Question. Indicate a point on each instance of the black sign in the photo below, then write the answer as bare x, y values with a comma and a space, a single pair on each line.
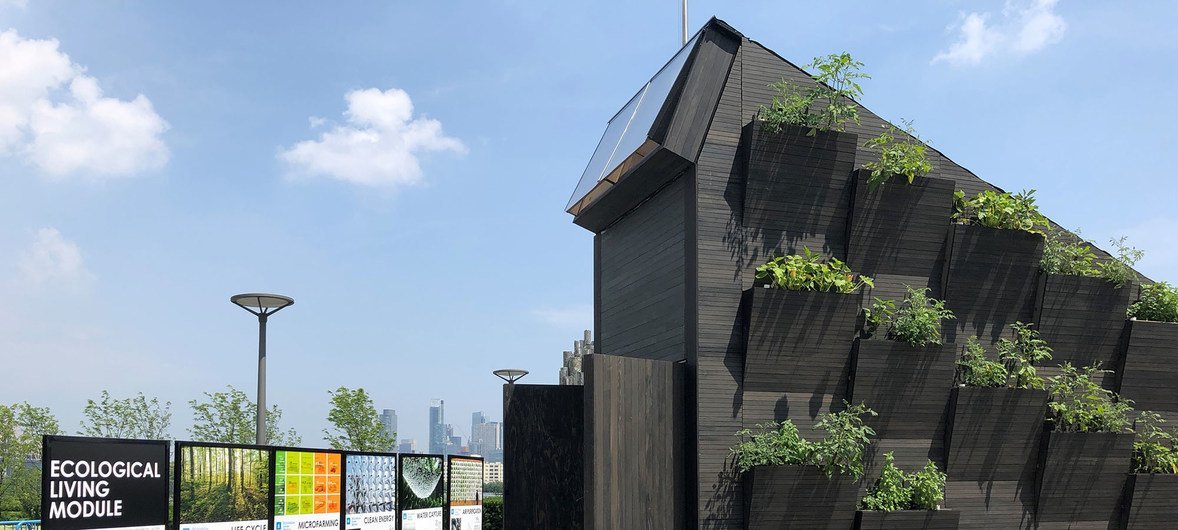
95, 483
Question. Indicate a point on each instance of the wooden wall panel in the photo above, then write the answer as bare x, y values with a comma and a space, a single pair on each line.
1083, 320
642, 267
543, 451
635, 465
1150, 373
991, 281
1083, 477
1153, 503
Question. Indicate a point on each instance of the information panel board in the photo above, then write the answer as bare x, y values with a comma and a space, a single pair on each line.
103, 483
421, 491
306, 489
370, 491
465, 483
222, 486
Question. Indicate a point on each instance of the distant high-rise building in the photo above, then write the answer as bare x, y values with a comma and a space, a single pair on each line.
407, 445
388, 419
492, 472
437, 426
476, 419
570, 373
487, 440
455, 445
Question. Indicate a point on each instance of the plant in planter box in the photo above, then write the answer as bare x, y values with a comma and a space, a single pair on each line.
839, 451
900, 153
772, 444
1159, 302
1080, 404
810, 271
837, 87
1155, 450
974, 369
1119, 270
897, 490
916, 322
1021, 354
1062, 255
1000, 210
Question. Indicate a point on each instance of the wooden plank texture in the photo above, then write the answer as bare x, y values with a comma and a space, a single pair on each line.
1150, 373
1083, 477
1154, 502
899, 228
991, 281
908, 520
798, 497
543, 446
1083, 320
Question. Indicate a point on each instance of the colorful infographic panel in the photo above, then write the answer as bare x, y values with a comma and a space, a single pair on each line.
421, 490
466, 493
222, 487
306, 490
95, 483
370, 492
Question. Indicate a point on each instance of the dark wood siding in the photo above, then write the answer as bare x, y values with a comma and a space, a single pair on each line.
635, 468
543, 447
642, 264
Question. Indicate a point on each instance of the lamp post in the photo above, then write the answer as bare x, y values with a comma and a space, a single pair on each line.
511, 375
262, 305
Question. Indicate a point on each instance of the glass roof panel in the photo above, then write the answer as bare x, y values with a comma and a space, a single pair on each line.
630, 127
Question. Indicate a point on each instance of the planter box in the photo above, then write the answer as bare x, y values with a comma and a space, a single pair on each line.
1083, 320
994, 433
1153, 503
797, 497
991, 279
1084, 476
800, 341
798, 187
900, 228
1149, 373
907, 520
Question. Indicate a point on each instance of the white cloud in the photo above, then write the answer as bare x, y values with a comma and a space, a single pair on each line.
378, 146
56, 118
20, 4
1026, 26
571, 316
53, 259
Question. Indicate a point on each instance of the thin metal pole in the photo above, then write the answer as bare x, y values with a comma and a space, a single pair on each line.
261, 427
684, 21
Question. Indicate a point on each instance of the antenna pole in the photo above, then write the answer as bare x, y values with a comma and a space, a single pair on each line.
684, 21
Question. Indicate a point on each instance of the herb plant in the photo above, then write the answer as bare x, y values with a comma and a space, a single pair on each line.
1119, 270
772, 444
880, 314
1078, 402
900, 153
918, 322
1064, 256
827, 106
1000, 210
1159, 302
976, 370
810, 271
1021, 354
1155, 449
897, 490
840, 451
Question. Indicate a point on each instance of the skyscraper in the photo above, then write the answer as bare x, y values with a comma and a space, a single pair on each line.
388, 418
407, 445
437, 426
476, 419
487, 440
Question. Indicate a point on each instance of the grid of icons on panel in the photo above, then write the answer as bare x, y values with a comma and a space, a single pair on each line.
306, 483
372, 483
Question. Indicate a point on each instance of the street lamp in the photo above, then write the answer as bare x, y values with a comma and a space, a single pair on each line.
511, 375
263, 305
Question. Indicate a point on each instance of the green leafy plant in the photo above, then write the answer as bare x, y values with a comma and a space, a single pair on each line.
1159, 302
918, 321
891, 491
827, 106
976, 370
897, 490
880, 314
1155, 449
810, 271
1000, 210
772, 444
1119, 270
1063, 255
847, 436
928, 487
1021, 354
900, 153
1078, 402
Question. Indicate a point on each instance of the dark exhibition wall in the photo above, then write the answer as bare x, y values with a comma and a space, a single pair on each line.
690, 352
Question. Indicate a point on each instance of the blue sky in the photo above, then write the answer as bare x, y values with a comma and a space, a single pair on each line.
160, 157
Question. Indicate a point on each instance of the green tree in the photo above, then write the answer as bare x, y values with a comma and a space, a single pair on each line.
21, 428
134, 417
355, 424
230, 417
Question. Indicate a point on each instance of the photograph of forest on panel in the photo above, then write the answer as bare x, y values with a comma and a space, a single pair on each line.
466, 493
222, 484
421, 488
306, 489
370, 492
